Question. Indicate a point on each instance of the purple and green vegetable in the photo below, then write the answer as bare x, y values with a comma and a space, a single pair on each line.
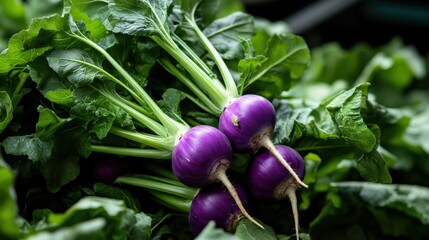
151, 102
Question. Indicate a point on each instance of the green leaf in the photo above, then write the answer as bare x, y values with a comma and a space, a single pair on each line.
30, 43
287, 58
210, 232
170, 102
76, 65
55, 148
346, 111
36, 149
417, 133
372, 167
139, 17
96, 218
61, 96
249, 230
408, 199
226, 34
87, 11
8, 205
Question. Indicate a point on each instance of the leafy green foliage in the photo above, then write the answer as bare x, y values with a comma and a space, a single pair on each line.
358, 116
95, 218
285, 56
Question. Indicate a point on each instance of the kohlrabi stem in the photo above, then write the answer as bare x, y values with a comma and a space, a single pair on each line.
266, 142
183, 192
230, 85
185, 80
173, 127
132, 152
290, 192
213, 88
221, 176
155, 141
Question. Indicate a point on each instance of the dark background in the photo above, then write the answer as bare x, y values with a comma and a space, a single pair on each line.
350, 21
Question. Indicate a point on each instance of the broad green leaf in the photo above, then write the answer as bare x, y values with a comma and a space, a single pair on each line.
30, 43
89, 229
76, 65
210, 232
87, 11
410, 200
61, 96
46, 78
417, 133
287, 58
170, 102
36, 149
8, 205
372, 167
248, 230
55, 148
346, 111
226, 34
139, 17
96, 218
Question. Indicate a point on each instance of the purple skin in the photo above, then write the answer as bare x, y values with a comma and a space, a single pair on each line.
244, 118
202, 156
265, 172
268, 179
199, 153
215, 203
248, 123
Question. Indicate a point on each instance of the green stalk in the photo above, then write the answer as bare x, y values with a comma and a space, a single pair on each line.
183, 192
109, 76
230, 85
213, 88
132, 152
155, 141
145, 120
173, 127
193, 56
23, 76
175, 203
181, 77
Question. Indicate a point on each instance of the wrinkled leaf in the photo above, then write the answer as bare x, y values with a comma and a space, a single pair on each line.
287, 57
139, 17
409, 199
372, 167
226, 34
